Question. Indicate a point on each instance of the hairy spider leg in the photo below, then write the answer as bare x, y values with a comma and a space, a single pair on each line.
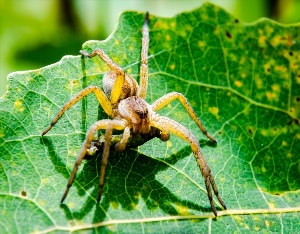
117, 89
101, 124
142, 92
102, 99
176, 128
120, 146
105, 154
166, 99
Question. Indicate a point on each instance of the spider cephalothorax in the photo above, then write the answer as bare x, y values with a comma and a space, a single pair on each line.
124, 101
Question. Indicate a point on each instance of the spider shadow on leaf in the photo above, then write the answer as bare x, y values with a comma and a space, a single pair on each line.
58, 163
131, 176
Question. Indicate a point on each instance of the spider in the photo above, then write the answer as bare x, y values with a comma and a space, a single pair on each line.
123, 100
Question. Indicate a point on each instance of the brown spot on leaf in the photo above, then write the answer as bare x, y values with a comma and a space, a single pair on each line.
228, 35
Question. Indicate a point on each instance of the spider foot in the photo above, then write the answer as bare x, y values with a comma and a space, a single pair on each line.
99, 193
65, 194
210, 182
84, 53
213, 208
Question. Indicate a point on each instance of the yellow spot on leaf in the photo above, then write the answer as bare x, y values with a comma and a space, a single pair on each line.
133, 205
240, 138
189, 28
269, 29
238, 83
238, 219
243, 60
214, 111
42, 202
259, 83
217, 31
45, 181
72, 153
182, 33
293, 112
271, 95
73, 84
116, 59
267, 68
114, 205
243, 75
272, 205
160, 24
128, 70
263, 169
18, 105
167, 177
275, 41
71, 205
262, 41
267, 223
281, 68
131, 48
117, 42
182, 210
232, 56
169, 143
201, 44
168, 38
284, 143
275, 87
264, 132
172, 66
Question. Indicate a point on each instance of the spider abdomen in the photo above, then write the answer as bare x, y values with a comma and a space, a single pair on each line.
129, 88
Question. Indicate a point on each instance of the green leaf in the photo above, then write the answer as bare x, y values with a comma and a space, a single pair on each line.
243, 80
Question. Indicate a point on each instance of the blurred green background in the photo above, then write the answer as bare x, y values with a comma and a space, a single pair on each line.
36, 33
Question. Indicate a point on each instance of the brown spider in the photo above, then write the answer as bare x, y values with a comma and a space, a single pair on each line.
124, 101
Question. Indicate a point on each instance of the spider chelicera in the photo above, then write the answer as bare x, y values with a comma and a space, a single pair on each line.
123, 100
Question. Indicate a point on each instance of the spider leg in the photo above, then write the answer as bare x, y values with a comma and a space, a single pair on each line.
144, 60
122, 144
108, 135
166, 99
102, 99
117, 89
176, 128
101, 124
